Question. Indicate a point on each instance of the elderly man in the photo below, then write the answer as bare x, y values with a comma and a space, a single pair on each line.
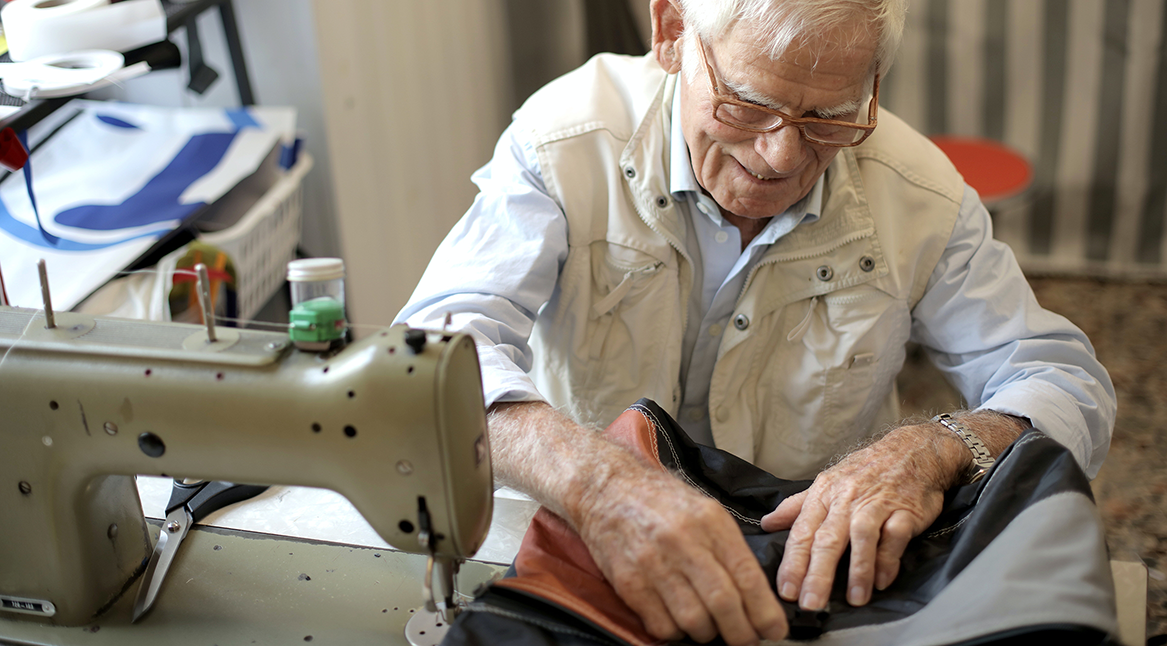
731, 227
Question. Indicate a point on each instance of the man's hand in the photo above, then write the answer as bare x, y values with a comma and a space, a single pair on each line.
673, 555
876, 499
679, 560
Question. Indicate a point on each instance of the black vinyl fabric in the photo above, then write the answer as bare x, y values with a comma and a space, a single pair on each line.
1032, 469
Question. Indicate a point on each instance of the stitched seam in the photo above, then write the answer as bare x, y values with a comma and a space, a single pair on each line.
907, 174
684, 476
542, 623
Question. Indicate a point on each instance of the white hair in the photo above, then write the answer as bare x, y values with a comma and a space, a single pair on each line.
779, 23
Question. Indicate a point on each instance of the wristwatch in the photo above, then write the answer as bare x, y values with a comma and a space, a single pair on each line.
982, 459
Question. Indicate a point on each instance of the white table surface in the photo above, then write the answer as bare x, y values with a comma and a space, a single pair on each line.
324, 515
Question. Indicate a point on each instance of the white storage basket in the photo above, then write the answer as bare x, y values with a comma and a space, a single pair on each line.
262, 242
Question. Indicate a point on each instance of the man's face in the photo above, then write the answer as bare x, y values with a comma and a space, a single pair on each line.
754, 175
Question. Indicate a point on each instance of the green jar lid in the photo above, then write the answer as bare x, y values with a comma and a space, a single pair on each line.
317, 321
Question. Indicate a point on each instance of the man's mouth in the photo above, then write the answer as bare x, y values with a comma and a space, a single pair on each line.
757, 175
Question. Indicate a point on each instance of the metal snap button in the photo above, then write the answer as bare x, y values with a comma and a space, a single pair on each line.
741, 321
867, 263
824, 273
662, 201
629, 172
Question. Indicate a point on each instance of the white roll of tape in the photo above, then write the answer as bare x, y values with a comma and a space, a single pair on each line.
60, 74
37, 28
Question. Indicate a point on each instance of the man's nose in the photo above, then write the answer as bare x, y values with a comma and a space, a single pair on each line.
783, 149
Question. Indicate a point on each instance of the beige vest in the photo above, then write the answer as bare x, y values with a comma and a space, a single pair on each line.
807, 366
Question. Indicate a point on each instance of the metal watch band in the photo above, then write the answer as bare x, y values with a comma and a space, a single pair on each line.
982, 459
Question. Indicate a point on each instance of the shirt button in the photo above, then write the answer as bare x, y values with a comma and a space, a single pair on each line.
697, 414
721, 236
715, 330
702, 208
722, 414
741, 321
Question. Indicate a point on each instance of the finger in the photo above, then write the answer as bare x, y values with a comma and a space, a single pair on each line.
784, 515
796, 557
761, 606
897, 532
712, 574
686, 607
866, 527
829, 543
648, 605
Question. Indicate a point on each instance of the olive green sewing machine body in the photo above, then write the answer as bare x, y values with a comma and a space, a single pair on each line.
395, 426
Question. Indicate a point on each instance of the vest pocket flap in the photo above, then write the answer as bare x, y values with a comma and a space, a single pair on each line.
618, 273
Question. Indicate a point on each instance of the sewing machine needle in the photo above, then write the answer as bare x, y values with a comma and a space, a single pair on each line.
50, 320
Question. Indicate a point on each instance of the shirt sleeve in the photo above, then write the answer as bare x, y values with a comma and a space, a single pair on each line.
496, 268
982, 326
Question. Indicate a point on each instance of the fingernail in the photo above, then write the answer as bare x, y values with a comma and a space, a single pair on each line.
858, 596
811, 601
788, 592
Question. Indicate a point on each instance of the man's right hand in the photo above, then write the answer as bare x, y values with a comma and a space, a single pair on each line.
679, 560
672, 554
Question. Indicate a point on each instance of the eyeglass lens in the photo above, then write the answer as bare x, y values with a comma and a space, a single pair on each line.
751, 119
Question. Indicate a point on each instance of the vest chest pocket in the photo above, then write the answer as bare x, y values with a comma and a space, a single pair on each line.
631, 307
844, 361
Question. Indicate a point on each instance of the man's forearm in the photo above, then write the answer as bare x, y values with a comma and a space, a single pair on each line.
540, 451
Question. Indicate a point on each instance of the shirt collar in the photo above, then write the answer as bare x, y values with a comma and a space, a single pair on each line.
682, 180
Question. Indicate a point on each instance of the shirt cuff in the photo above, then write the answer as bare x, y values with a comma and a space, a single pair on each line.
502, 380
1053, 413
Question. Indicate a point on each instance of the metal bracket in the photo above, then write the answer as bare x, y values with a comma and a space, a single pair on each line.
446, 567
202, 76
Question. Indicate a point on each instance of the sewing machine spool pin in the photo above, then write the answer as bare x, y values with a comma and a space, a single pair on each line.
50, 320
204, 292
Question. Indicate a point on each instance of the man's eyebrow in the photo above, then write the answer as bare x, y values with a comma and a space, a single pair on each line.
747, 93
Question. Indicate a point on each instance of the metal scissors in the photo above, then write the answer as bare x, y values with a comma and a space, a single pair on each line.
189, 503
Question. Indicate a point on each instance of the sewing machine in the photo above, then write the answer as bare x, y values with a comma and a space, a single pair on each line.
395, 423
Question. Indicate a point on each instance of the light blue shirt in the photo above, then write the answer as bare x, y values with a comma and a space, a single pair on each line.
500, 263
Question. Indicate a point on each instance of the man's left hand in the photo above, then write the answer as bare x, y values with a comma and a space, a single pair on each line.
877, 499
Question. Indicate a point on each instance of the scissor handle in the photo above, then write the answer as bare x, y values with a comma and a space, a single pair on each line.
201, 498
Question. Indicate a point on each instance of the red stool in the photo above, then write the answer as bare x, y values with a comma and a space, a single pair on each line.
997, 172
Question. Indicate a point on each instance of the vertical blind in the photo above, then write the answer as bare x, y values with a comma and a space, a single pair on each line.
1078, 87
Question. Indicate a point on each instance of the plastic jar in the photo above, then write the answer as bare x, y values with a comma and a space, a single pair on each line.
316, 277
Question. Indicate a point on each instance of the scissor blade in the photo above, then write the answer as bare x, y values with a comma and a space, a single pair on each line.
168, 541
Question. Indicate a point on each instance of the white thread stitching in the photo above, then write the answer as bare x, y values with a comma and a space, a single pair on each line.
652, 421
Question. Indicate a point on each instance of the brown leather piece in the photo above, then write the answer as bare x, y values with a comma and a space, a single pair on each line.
554, 564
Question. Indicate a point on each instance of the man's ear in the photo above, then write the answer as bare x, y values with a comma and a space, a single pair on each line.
667, 26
